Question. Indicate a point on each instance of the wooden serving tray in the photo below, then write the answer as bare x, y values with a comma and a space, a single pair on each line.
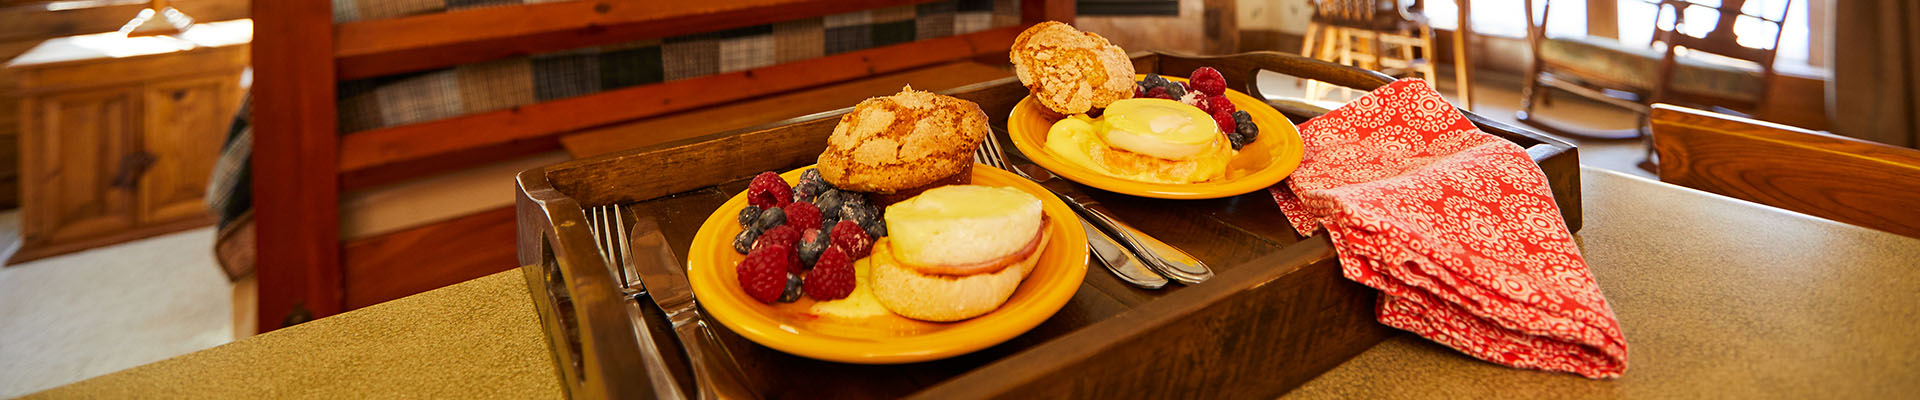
1277, 313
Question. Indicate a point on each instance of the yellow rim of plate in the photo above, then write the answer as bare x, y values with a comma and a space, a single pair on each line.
1058, 275
1028, 126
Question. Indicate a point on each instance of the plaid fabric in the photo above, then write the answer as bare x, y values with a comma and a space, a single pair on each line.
380, 102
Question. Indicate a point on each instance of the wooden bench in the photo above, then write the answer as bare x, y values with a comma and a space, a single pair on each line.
1840, 178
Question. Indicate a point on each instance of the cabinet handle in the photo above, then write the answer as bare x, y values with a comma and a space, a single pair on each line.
132, 167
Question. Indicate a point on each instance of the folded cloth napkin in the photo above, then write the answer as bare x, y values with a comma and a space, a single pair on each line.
1457, 229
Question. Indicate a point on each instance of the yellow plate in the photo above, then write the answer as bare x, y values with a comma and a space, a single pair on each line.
886, 339
1270, 158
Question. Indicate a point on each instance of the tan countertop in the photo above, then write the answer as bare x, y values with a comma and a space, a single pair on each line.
479, 339
1717, 297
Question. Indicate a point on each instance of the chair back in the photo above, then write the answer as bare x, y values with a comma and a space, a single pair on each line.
1364, 14
1844, 179
1721, 40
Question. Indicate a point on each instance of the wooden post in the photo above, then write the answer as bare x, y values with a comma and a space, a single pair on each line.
1037, 11
295, 188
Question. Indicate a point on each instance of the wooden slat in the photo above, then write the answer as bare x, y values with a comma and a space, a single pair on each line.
768, 109
1839, 178
295, 189
402, 263
395, 45
416, 141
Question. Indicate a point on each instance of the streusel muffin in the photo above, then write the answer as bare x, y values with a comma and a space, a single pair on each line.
899, 145
1069, 71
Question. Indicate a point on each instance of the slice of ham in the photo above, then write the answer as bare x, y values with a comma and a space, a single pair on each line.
989, 266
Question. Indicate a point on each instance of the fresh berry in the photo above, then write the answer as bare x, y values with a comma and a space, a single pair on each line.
1223, 119
812, 242
829, 203
1154, 81
763, 274
1209, 81
1214, 104
768, 219
785, 237
767, 191
859, 214
1237, 140
803, 215
1176, 90
1158, 93
792, 293
811, 175
747, 215
810, 185
1244, 122
781, 235
851, 238
832, 278
744, 241
1139, 92
876, 229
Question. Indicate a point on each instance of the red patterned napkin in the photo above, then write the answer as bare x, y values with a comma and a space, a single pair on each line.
1456, 228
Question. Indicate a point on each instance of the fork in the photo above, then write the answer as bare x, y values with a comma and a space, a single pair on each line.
1118, 260
1158, 256
609, 228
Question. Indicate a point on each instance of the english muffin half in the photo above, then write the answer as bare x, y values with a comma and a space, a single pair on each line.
1069, 71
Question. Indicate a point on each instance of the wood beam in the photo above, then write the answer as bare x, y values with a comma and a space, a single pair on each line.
296, 195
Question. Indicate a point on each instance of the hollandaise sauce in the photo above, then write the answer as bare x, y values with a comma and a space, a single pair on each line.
1147, 140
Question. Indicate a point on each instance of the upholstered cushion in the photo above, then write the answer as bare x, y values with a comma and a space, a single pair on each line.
1639, 67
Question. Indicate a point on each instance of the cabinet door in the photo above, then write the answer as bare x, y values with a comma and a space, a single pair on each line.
72, 149
186, 122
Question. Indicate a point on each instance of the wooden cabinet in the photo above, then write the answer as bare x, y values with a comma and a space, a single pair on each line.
117, 144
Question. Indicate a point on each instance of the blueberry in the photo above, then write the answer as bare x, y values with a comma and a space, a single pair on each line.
1244, 123
1237, 140
792, 293
811, 175
829, 203
1156, 80
810, 249
747, 215
858, 214
770, 218
876, 229
744, 241
1176, 90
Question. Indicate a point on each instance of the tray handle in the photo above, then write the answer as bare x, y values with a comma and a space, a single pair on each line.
586, 317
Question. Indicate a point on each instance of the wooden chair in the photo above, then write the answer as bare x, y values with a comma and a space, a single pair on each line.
1727, 75
1840, 178
303, 164
1387, 37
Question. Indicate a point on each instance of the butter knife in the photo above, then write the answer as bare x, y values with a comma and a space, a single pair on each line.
714, 372
1161, 257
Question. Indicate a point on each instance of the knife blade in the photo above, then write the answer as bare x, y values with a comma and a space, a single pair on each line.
1170, 261
714, 372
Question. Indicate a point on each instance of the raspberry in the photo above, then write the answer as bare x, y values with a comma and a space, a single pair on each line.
851, 238
1224, 120
1159, 92
1214, 104
803, 216
767, 191
831, 278
763, 274
1208, 80
784, 236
